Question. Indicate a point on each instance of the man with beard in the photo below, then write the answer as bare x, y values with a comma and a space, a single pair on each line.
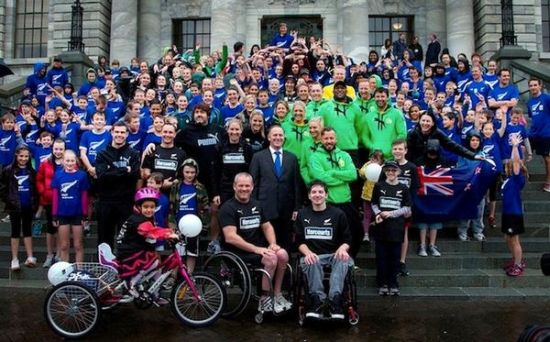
335, 168
382, 127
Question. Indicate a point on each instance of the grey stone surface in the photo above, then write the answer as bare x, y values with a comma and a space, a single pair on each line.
460, 26
351, 17
149, 47
124, 21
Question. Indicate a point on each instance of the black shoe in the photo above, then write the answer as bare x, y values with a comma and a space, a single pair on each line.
403, 271
336, 307
315, 309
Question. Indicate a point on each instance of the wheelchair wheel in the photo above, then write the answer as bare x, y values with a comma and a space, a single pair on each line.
72, 310
198, 312
235, 278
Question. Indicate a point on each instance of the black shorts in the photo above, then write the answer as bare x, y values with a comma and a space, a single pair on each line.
494, 188
192, 246
92, 190
541, 145
512, 224
70, 220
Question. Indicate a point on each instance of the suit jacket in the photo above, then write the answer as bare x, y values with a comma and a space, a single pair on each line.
279, 197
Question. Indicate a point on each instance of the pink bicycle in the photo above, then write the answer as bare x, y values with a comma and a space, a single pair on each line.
83, 290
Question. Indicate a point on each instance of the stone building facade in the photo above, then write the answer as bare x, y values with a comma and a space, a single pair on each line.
123, 29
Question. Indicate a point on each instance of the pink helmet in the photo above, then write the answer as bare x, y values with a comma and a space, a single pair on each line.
146, 194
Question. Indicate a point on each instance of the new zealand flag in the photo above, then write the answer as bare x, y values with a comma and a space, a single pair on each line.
446, 194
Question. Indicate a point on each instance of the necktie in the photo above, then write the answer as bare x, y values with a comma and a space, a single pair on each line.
277, 166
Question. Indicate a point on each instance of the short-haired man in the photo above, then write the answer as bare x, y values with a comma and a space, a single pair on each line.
249, 234
538, 108
323, 238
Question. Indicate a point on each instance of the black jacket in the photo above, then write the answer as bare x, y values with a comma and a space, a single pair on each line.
416, 144
432, 54
232, 159
200, 143
9, 188
114, 181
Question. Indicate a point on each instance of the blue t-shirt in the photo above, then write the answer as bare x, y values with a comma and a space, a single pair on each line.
29, 132
8, 143
512, 130
70, 186
466, 127
71, 135
40, 154
454, 136
462, 79
23, 187
538, 109
161, 211
491, 79
151, 138
116, 109
188, 203
507, 93
94, 143
491, 149
229, 113
268, 114
410, 124
282, 41
474, 88
511, 194
82, 114
135, 140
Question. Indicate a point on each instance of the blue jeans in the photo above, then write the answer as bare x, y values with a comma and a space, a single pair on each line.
477, 223
314, 274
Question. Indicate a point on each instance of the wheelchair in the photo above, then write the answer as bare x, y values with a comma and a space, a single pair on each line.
302, 298
237, 277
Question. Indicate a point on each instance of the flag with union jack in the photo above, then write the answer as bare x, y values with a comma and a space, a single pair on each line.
446, 194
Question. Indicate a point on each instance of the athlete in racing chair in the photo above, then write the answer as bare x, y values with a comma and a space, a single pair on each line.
323, 238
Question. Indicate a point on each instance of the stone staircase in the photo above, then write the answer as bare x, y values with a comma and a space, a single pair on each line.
466, 269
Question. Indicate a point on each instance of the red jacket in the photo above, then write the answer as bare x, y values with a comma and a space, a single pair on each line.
44, 178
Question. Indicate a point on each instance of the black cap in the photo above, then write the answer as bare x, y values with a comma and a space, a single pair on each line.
304, 71
339, 83
57, 59
290, 78
107, 70
26, 102
390, 164
432, 146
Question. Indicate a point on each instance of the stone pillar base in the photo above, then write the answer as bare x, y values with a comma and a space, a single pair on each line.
80, 63
508, 53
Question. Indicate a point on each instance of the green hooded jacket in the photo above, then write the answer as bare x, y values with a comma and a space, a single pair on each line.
336, 169
380, 129
345, 119
296, 136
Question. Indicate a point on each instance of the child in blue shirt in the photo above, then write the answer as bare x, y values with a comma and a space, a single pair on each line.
42, 149
515, 127
94, 141
512, 208
9, 139
189, 197
70, 205
69, 130
155, 181
154, 137
449, 128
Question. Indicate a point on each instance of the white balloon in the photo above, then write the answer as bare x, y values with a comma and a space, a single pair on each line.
59, 272
372, 172
190, 225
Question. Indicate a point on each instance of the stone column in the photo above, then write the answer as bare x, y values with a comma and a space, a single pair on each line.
149, 47
228, 23
353, 24
435, 23
460, 26
124, 29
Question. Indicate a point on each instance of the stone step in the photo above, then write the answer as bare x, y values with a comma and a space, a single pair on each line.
461, 278
449, 262
460, 293
530, 206
535, 195
529, 245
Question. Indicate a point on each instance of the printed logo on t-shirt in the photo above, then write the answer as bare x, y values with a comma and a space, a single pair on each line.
3, 143
249, 222
166, 164
21, 182
318, 233
535, 108
211, 140
186, 198
233, 158
390, 203
94, 145
123, 162
65, 187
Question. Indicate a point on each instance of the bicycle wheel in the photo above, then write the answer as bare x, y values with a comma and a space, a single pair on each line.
235, 278
72, 310
203, 311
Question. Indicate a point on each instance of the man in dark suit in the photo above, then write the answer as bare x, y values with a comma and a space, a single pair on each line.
277, 185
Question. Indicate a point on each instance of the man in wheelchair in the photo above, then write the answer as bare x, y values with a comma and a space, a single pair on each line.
248, 234
323, 238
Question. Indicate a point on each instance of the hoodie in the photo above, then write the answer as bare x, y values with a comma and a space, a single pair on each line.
57, 77
37, 84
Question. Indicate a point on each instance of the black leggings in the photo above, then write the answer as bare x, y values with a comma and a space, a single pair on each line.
21, 219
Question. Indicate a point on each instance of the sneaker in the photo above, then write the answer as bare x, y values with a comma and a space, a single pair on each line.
394, 291
315, 310
492, 221
383, 291
479, 237
463, 237
515, 271
403, 271
265, 304
49, 261
510, 263
6, 219
213, 247
434, 251
87, 229
336, 307
422, 251
281, 304
546, 188
161, 301
366, 237
30, 262
15, 265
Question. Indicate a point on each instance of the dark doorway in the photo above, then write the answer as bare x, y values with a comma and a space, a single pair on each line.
306, 25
